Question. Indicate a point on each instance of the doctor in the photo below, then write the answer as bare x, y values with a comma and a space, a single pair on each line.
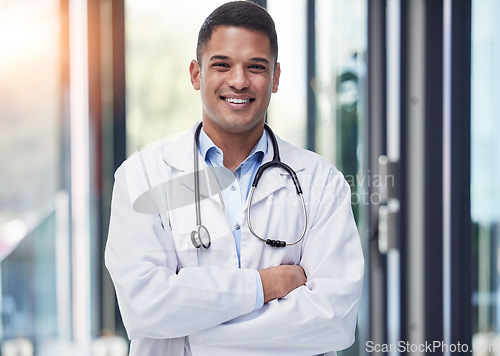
239, 296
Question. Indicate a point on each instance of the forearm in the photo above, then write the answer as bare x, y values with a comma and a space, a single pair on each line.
278, 281
161, 304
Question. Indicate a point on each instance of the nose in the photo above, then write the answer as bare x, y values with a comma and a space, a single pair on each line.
238, 78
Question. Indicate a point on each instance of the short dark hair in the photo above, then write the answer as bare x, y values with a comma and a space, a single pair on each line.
244, 14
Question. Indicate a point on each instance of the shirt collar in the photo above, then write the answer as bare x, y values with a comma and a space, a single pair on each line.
213, 154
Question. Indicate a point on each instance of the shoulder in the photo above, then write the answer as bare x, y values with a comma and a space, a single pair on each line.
315, 172
171, 151
138, 161
155, 163
148, 169
302, 158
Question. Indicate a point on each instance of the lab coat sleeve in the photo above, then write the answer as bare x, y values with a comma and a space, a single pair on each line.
316, 318
155, 301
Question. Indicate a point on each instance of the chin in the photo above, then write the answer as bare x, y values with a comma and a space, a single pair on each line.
242, 127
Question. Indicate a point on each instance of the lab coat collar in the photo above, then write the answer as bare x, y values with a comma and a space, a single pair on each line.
179, 155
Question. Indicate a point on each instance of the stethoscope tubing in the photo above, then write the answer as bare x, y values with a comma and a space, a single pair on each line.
276, 242
276, 162
197, 178
196, 235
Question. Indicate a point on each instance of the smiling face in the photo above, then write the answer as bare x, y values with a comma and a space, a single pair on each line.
236, 78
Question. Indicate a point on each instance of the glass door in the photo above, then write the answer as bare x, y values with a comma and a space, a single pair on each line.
35, 257
341, 119
485, 170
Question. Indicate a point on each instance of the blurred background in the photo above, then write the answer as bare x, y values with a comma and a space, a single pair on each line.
401, 95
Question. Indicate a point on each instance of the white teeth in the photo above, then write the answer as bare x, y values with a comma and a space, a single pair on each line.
237, 101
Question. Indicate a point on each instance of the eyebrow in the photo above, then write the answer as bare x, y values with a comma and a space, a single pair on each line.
259, 59
255, 59
218, 57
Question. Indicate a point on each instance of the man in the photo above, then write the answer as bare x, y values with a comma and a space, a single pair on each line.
237, 296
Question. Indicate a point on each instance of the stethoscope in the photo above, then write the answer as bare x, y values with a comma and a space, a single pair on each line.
201, 236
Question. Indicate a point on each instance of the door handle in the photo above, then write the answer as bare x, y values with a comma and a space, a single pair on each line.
389, 208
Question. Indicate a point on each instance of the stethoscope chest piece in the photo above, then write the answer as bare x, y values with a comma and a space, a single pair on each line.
200, 237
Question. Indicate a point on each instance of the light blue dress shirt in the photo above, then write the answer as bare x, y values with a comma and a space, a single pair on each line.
236, 194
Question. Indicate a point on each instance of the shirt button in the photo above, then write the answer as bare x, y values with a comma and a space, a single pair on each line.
237, 226
233, 188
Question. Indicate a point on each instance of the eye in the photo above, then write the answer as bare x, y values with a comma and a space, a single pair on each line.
220, 66
257, 68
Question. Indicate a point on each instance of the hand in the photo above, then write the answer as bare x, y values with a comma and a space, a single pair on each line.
278, 281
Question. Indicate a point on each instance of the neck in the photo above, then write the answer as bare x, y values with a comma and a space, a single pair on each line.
235, 146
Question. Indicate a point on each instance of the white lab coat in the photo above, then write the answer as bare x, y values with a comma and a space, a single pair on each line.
179, 300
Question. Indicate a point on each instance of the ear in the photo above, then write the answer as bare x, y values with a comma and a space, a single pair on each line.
195, 73
276, 77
